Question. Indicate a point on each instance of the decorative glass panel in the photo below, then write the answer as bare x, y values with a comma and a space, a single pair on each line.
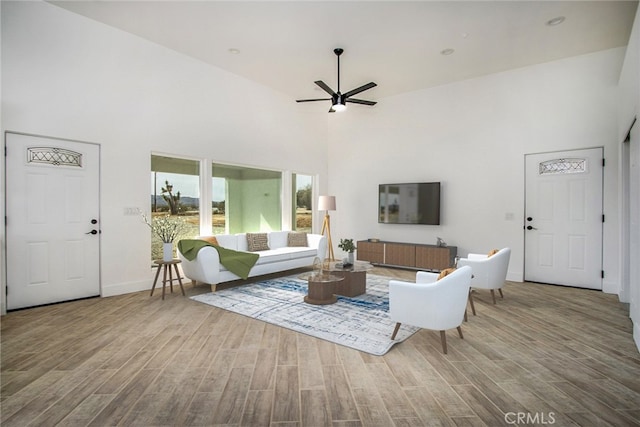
54, 156
563, 166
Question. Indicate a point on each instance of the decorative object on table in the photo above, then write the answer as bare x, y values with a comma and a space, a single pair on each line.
326, 204
167, 228
349, 247
441, 243
362, 322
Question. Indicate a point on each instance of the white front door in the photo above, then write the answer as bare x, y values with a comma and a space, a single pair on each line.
563, 218
52, 224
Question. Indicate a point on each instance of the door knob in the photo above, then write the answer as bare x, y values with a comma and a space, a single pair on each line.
92, 232
531, 228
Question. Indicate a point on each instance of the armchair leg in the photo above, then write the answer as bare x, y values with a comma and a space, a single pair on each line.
443, 339
466, 319
460, 332
501, 296
395, 330
493, 296
473, 307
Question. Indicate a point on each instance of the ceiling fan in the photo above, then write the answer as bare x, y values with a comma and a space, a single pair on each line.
339, 100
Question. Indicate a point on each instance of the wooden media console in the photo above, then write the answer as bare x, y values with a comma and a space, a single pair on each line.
409, 255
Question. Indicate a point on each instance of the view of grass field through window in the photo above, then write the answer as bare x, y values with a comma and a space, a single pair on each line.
175, 192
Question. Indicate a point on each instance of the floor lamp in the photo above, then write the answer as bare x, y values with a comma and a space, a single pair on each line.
327, 203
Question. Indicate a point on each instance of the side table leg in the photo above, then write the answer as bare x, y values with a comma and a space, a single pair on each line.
170, 278
179, 278
155, 280
164, 279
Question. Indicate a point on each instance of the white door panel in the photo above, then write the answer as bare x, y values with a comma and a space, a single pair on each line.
563, 225
52, 198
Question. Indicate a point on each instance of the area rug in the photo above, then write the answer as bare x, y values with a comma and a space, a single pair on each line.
360, 322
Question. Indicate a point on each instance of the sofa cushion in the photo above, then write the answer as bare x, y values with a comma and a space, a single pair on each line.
228, 241
295, 238
303, 252
278, 239
257, 242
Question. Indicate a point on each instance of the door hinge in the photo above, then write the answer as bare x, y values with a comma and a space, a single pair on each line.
602, 162
602, 217
602, 274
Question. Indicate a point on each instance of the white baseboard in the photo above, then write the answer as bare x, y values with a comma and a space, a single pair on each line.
126, 288
636, 335
515, 276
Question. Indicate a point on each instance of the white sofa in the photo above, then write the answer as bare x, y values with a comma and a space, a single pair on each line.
206, 267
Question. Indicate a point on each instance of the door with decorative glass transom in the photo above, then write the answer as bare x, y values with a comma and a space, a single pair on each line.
52, 224
563, 218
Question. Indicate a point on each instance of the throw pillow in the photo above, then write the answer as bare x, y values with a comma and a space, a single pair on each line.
257, 242
297, 239
210, 239
445, 272
493, 252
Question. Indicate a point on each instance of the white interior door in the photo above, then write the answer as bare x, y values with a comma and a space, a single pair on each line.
52, 209
563, 218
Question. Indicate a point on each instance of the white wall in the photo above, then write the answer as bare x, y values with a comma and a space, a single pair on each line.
473, 136
67, 76
629, 109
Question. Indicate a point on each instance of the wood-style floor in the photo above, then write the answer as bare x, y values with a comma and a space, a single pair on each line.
544, 355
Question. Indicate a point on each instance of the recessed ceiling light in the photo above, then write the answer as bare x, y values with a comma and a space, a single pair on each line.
234, 51
448, 51
555, 21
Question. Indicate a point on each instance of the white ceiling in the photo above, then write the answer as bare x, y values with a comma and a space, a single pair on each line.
397, 44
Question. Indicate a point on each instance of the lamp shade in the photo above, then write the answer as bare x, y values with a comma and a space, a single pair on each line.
327, 203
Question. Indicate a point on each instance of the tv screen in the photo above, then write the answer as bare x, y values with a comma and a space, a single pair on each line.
411, 203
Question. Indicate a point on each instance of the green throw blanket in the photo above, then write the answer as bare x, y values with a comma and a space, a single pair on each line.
237, 262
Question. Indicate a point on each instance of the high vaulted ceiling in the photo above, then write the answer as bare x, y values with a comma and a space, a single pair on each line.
397, 44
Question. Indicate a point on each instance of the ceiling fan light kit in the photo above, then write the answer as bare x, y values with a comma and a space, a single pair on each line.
339, 100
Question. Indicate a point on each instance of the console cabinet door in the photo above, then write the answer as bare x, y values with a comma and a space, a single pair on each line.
371, 251
432, 258
398, 254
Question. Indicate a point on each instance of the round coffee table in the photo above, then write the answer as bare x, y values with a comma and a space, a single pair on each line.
355, 277
321, 288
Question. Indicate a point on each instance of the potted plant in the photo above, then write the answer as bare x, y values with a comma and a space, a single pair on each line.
166, 228
348, 246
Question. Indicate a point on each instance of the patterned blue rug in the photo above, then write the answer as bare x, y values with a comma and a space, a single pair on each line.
360, 322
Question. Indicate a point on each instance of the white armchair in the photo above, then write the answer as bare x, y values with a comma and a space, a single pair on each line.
489, 272
430, 304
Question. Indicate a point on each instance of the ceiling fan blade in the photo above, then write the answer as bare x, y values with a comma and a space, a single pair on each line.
324, 87
360, 101
360, 89
312, 100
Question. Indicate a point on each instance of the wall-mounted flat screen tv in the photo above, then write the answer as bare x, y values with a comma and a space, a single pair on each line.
411, 203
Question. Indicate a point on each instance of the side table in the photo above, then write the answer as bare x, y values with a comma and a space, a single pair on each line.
166, 265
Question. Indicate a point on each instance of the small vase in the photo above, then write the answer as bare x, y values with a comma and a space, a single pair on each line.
351, 258
167, 251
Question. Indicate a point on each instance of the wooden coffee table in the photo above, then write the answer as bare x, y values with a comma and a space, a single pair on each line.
355, 278
321, 288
